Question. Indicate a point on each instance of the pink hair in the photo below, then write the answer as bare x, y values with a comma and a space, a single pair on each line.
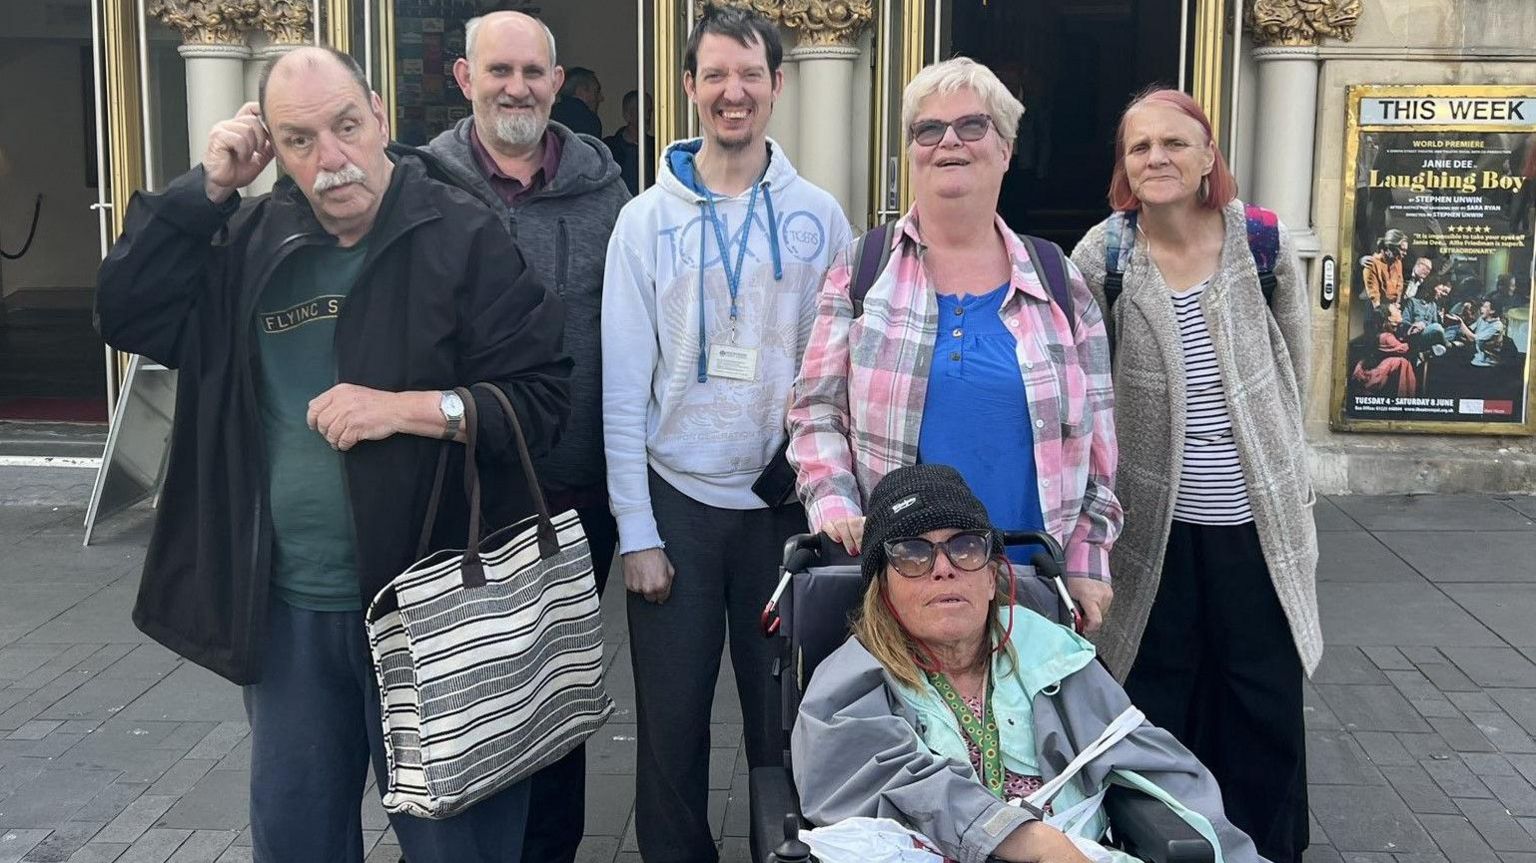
1221, 186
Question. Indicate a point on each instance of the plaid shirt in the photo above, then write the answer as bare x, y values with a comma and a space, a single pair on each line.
858, 404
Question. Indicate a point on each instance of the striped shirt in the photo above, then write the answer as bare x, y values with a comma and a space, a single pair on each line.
858, 404
1211, 488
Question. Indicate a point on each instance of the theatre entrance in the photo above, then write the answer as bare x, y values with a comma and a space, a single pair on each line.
1074, 65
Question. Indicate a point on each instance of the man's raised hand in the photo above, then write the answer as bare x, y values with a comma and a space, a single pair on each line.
238, 150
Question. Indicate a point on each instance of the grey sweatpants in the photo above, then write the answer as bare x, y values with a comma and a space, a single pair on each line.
726, 563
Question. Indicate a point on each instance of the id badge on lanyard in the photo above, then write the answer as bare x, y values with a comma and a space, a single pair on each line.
728, 360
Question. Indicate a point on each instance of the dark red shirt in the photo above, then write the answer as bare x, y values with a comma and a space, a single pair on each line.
510, 189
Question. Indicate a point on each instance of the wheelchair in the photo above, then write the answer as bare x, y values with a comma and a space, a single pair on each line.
809, 615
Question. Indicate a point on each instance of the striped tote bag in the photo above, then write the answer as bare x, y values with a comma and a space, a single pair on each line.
489, 660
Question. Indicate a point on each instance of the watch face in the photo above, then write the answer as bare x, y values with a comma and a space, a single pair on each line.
453, 406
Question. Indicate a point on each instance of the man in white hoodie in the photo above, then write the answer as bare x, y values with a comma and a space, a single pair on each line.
708, 299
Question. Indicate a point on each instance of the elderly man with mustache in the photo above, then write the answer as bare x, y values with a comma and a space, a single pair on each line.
319, 332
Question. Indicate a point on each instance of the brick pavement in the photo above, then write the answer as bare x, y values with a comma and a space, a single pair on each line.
1420, 720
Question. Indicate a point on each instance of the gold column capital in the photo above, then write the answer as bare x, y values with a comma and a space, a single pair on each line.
827, 22
286, 22
819, 23
1297, 23
205, 22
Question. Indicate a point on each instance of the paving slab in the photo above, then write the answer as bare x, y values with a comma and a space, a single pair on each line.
1329, 518
1372, 708
63, 842
1442, 511
1360, 558
1368, 819
1507, 609
1366, 614
1445, 556
1458, 839
53, 796
14, 844
190, 692
1524, 504
218, 801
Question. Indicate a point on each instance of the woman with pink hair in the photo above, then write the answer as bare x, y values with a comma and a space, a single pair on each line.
1215, 622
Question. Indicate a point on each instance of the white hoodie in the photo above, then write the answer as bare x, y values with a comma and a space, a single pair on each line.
709, 440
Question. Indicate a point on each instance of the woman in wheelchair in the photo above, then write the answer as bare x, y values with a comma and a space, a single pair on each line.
950, 707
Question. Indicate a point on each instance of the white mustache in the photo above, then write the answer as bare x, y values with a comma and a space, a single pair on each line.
507, 102
328, 180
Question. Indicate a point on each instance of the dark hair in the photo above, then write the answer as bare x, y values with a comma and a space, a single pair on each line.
346, 60
630, 98
1504, 280
578, 76
745, 27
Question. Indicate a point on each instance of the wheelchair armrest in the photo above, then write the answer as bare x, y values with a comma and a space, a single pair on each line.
772, 795
1148, 829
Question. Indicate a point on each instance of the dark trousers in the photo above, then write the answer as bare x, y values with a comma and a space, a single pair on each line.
726, 564
1218, 669
557, 812
314, 728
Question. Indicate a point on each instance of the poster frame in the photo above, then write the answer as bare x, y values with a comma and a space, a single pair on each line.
1339, 374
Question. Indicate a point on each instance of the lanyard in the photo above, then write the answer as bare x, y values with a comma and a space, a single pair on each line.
732, 276
980, 730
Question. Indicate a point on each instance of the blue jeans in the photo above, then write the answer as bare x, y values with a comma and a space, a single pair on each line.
314, 728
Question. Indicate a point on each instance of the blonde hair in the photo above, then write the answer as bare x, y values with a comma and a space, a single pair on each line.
885, 639
950, 76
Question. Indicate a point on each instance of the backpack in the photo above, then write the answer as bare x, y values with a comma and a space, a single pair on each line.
1263, 243
872, 252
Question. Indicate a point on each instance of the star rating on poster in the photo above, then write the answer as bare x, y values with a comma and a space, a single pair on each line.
1470, 229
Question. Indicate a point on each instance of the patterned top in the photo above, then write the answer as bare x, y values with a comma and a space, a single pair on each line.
1211, 485
858, 403
1014, 784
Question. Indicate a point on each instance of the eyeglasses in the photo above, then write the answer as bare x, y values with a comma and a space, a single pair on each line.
914, 557
971, 127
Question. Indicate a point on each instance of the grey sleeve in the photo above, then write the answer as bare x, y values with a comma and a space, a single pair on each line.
855, 756
1293, 312
1094, 699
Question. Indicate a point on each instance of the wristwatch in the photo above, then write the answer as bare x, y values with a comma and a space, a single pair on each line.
453, 413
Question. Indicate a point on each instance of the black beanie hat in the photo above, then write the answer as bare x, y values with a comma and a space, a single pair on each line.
911, 501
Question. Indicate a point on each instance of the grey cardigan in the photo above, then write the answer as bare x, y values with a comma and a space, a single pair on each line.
1262, 354
857, 750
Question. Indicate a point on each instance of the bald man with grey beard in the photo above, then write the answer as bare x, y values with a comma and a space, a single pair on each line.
558, 193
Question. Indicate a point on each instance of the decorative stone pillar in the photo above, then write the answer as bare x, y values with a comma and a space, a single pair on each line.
214, 50
1286, 33
283, 25
784, 126
828, 32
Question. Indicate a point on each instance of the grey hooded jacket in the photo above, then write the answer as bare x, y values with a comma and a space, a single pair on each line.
562, 231
858, 751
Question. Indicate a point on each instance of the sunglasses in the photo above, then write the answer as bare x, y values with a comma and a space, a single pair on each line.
971, 127
914, 557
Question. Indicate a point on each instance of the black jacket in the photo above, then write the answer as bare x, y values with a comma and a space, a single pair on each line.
562, 230
444, 300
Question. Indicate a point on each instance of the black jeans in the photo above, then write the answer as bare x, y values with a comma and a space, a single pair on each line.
1218, 669
314, 728
726, 563
557, 811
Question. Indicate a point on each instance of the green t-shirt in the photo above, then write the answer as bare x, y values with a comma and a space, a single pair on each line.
314, 563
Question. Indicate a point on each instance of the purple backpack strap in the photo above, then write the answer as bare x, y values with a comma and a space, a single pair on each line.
1264, 245
870, 255
1051, 263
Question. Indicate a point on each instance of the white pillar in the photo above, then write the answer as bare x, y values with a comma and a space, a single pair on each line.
1283, 147
826, 118
784, 125
258, 61
215, 89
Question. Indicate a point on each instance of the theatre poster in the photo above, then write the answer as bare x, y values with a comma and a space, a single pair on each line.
1434, 313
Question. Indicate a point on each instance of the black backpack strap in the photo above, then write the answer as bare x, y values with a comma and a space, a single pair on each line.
1051, 263
870, 255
